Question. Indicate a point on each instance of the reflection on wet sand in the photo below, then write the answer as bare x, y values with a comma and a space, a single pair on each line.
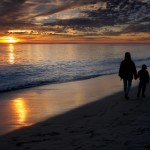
33, 105
20, 109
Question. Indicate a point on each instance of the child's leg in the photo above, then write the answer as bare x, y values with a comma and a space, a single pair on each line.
139, 89
143, 89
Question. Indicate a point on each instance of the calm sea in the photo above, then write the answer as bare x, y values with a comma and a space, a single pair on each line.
29, 65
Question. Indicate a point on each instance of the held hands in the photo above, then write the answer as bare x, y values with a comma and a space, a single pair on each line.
136, 77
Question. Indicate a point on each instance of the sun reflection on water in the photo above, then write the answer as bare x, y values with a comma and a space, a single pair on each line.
11, 58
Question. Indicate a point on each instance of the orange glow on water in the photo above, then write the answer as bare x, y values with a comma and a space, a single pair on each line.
11, 58
21, 111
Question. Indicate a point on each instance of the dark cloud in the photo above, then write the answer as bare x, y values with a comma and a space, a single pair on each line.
112, 33
27, 10
68, 5
10, 10
137, 28
116, 13
126, 11
78, 22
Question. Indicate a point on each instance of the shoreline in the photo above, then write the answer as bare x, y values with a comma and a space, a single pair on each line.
53, 83
28, 106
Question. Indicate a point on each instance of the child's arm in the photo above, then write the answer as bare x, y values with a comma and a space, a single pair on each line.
137, 76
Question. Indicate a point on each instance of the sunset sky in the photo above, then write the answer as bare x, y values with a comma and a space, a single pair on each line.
75, 21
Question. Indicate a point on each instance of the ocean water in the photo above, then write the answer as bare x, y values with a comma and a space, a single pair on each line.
29, 65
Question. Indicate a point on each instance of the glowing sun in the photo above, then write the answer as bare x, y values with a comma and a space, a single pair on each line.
11, 40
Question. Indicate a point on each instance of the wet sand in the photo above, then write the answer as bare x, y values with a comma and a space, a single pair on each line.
26, 107
99, 118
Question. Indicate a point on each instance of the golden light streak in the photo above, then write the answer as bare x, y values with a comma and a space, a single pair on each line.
11, 59
20, 31
21, 110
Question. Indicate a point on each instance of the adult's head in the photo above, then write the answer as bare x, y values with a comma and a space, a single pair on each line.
127, 56
144, 67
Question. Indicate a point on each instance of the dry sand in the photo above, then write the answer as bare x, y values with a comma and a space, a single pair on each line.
111, 123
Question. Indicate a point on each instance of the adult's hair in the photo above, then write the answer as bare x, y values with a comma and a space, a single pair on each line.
144, 67
127, 56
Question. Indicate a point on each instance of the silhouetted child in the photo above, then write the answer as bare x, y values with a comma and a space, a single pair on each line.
143, 76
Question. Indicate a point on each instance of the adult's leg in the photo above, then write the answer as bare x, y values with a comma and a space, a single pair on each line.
125, 86
129, 84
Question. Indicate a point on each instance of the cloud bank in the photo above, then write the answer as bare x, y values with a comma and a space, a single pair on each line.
75, 17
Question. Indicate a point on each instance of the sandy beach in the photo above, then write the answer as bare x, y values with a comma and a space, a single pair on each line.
106, 122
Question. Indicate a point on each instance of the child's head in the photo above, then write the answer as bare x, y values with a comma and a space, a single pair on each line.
144, 67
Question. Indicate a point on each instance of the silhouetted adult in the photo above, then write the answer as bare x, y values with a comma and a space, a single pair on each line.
126, 72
